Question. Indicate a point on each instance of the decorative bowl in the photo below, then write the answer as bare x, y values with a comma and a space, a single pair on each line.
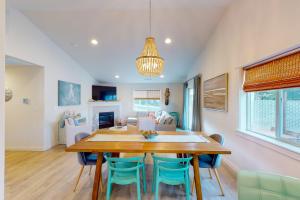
149, 134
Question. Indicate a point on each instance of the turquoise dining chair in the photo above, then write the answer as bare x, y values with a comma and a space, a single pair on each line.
171, 171
125, 171
254, 185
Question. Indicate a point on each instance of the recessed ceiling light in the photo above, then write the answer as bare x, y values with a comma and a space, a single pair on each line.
168, 41
94, 42
117, 76
162, 76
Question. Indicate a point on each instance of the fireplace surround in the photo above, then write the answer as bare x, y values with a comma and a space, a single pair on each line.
100, 107
106, 119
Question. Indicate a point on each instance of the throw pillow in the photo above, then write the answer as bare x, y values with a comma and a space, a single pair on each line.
169, 120
162, 119
71, 122
158, 114
76, 122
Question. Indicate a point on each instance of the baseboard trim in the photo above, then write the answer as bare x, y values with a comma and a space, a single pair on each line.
230, 167
24, 149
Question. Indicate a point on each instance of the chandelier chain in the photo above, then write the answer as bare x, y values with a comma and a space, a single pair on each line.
150, 13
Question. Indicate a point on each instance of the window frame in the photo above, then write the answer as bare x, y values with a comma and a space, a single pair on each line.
280, 121
147, 90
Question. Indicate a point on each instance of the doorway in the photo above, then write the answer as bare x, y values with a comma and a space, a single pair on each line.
24, 105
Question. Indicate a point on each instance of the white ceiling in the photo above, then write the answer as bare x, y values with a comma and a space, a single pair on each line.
121, 27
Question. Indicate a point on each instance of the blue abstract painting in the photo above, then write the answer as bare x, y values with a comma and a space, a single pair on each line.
68, 93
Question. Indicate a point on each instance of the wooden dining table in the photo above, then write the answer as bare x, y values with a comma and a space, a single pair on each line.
193, 148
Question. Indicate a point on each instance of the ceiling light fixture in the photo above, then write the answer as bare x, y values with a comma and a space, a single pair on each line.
149, 63
94, 42
117, 76
168, 41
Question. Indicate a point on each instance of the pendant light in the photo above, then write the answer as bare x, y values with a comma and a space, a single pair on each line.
149, 63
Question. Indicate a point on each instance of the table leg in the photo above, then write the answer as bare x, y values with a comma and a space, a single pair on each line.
97, 177
197, 177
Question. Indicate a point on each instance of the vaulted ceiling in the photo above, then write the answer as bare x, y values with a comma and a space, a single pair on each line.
121, 26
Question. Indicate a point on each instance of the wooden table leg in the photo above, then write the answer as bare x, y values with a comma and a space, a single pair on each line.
97, 177
197, 177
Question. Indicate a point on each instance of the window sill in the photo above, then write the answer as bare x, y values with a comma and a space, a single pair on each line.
270, 143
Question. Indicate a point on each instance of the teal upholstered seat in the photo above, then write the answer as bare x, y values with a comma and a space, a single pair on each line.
124, 171
171, 171
265, 186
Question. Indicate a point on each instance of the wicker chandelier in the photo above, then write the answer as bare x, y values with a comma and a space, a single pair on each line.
149, 63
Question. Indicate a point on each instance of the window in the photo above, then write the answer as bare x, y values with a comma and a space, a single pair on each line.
275, 114
291, 114
190, 107
146, 100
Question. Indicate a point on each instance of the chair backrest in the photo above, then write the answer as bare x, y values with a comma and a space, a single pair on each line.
124, 164
217, 158
171, 164
81, 136
81, 155
265, 186
146, 124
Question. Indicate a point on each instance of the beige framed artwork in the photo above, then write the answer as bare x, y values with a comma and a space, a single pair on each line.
215, 93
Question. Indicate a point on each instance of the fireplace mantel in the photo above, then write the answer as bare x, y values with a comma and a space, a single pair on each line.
104, 103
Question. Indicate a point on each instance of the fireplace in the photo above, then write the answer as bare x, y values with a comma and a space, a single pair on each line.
106, 119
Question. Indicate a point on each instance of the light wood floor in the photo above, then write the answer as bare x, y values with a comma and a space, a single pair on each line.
51, 175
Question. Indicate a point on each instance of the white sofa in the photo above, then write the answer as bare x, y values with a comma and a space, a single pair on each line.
161, 121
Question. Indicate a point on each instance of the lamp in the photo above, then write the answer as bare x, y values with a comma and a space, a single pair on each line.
149, 63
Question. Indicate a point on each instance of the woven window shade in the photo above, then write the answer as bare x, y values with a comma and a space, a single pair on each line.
146, 94
278, 72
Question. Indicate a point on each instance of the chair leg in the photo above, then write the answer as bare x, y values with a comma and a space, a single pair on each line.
101, 184
153, 177
193, 187
210, 176
187, 186
144, 179
90, 169
78, 178
156, 189
138, 186
219, 182
108, 190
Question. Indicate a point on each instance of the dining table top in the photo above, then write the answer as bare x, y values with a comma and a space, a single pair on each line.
211, 147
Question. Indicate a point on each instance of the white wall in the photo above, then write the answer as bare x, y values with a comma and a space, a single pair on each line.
125, 95
2, 58
26, 42
24, 121
250, 30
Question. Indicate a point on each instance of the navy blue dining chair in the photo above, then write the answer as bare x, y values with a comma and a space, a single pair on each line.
212, 161
86, 159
